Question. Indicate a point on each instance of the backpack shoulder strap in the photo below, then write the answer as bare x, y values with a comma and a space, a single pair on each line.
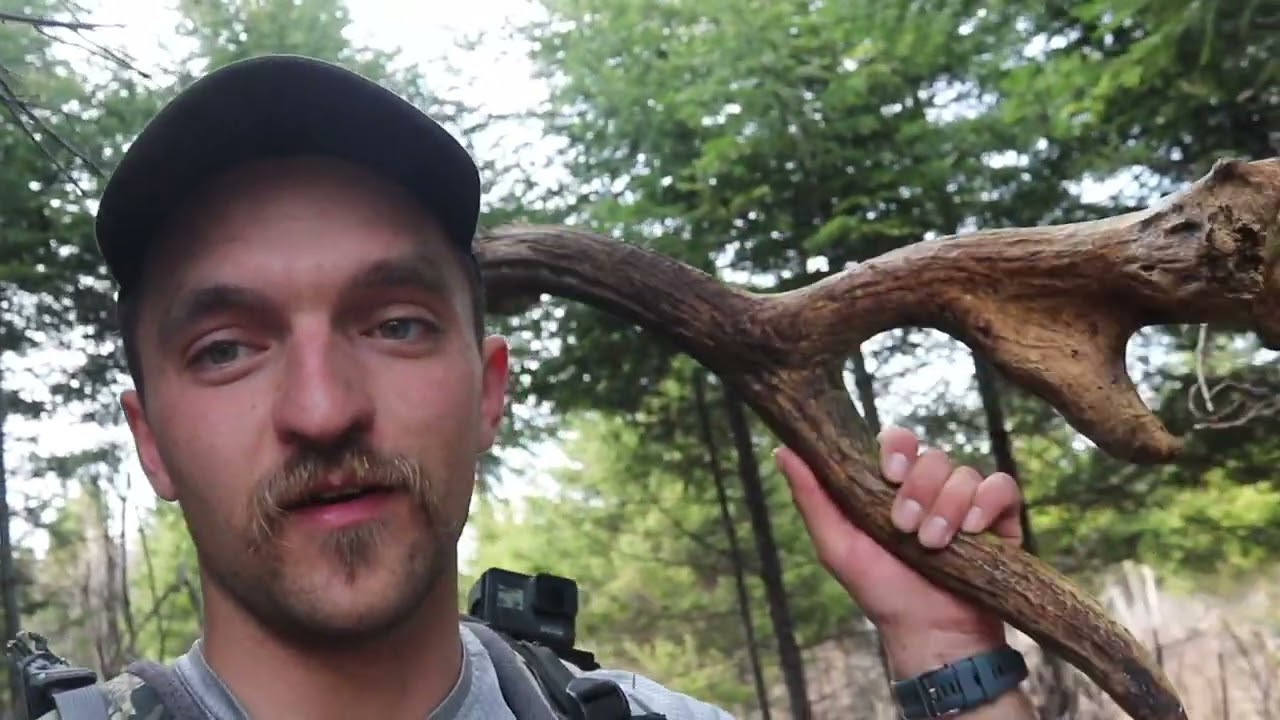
562, 694
552, 675
83, 703
177, 699
524, 698
135, 694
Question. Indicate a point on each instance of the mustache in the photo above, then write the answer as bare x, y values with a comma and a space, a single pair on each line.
306, 474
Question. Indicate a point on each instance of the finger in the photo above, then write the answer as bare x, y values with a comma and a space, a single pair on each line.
823, 520
842, 547
997, 506
920, 489
949, 509
898, 450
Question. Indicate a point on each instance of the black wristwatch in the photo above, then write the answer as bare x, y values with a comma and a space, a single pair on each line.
960, 686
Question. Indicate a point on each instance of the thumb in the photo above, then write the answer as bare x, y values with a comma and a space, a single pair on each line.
839, 543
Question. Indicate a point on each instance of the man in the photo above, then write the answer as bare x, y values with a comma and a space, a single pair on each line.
313, 385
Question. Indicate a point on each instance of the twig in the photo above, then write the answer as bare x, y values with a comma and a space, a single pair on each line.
43, 22
31, 124
95, 48
18, 108
1254, 401
1201, 342
1259, 674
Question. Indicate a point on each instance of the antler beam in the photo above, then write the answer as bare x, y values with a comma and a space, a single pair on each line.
1053, 307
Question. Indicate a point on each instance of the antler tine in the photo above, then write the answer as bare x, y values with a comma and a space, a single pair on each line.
1054, 307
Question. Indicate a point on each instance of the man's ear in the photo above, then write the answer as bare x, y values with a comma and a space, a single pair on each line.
145, 442
493, 388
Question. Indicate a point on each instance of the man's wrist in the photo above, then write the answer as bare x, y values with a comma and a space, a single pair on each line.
911, 653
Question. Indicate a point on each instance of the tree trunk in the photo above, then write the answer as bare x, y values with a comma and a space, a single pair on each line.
8, 578
1058, 700
739, 575
102, 577
770, 565
867, 399
866, 390
998, 433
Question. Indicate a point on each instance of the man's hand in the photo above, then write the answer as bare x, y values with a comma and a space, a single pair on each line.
921, 625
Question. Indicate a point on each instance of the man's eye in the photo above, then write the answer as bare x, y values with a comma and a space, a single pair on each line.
219, 353
403, 329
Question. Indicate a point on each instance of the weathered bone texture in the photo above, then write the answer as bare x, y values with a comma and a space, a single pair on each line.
1053, 307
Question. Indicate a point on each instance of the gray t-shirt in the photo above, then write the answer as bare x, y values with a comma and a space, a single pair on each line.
475, 696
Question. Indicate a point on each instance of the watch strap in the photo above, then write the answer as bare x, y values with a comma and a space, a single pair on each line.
960, 686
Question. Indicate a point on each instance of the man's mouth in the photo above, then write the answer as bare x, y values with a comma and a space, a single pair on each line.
336, 496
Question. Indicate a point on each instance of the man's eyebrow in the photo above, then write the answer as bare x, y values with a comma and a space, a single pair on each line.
198, 304
413, 271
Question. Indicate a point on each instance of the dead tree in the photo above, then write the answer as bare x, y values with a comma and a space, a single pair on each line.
1052, 307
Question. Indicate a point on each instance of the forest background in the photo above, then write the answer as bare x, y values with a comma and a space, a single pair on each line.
770, 144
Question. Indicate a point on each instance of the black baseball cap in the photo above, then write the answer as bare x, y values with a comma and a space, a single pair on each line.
276, 106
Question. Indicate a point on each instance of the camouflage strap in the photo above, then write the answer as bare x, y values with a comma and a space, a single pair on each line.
82, 703
178, 701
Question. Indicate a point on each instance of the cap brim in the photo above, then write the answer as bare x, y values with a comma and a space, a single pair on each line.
279, 105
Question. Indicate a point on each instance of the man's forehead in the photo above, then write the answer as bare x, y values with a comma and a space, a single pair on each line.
297, 204
247, 191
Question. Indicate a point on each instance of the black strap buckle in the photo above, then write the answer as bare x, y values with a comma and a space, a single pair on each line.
598, 699
44, 674
931, 698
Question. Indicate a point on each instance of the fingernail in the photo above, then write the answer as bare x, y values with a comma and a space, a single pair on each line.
972, 521
896, 467
934, 533
906, 515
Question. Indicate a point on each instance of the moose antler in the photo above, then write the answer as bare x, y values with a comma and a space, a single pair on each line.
1053, 307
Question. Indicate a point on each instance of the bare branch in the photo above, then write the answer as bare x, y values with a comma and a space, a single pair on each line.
1229, 403
97, 49
1052, 307
1251, 402
23, 111
23, 114
43, 22
1202, 340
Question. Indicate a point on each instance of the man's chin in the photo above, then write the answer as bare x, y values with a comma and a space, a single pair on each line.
331, 598
358, 556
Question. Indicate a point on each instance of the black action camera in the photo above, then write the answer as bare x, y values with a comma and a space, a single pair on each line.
541, 609
538, 608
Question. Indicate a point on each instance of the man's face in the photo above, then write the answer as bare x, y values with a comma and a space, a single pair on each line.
315, 396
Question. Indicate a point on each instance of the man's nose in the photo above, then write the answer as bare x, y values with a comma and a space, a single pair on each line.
323, 398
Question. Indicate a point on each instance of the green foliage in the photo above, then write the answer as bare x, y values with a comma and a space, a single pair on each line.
769, 144
165, 586
1162, 87
636, 523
